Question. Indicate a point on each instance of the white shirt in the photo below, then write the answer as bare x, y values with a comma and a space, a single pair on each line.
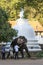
16, 48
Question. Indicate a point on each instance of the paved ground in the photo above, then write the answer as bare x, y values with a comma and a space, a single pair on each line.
22, 62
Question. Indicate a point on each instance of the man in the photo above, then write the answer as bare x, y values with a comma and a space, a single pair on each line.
3, 52
16, 48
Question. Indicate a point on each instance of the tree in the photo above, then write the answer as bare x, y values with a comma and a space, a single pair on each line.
6, 32
33, 9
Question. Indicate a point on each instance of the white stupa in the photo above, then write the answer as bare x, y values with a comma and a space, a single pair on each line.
24, 29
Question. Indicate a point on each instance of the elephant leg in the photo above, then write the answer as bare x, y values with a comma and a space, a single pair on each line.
22, 54
26, 49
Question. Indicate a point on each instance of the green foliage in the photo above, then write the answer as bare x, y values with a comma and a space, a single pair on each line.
33, 9
40, 54
6, 32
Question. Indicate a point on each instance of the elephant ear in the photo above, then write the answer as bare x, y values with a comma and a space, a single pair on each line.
19, 40
23, 38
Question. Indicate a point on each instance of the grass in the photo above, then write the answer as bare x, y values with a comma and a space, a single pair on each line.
40, 54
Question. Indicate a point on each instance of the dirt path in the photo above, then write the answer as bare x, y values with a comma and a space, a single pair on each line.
22, 62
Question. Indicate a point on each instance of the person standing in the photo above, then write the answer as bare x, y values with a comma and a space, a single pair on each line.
16, 48
3, 52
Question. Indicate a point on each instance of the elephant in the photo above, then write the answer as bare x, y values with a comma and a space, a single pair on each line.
21, 42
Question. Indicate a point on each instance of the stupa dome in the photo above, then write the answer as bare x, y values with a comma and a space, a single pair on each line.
24, 29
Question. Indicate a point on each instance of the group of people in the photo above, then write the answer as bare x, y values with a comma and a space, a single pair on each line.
17, 44
10, 53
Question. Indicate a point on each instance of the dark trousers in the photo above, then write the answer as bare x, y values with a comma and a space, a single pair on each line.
3, 55
16, 55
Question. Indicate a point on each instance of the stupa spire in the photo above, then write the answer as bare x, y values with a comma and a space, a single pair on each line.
21, 13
